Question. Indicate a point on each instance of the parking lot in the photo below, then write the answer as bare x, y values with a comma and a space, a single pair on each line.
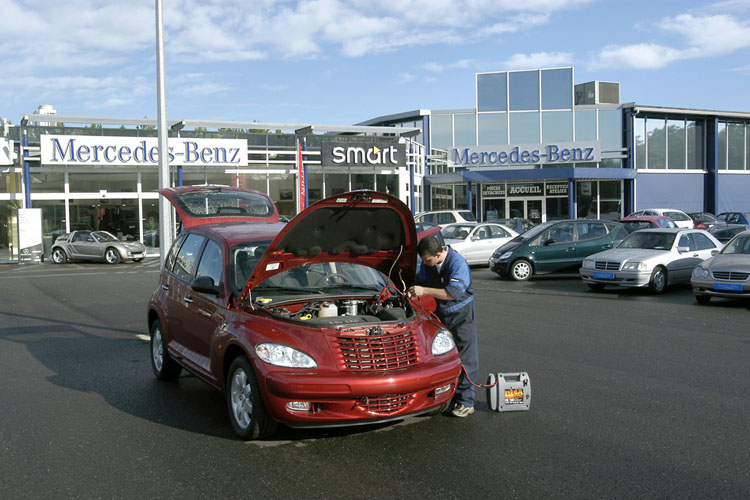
634, 396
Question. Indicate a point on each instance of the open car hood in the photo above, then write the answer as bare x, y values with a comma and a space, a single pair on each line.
207, 204
364, 227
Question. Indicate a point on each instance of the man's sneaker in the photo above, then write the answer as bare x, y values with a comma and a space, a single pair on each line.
462, 411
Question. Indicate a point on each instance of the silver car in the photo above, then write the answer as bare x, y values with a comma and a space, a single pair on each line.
725, 275
476, 241
653, 258
95, 245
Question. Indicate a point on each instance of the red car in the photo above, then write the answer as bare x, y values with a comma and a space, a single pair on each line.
304, 323
636, 222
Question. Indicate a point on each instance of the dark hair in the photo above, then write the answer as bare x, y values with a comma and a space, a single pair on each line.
429, 246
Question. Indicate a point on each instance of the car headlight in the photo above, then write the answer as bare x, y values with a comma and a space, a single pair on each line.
700, 272
442, 343
506, 255
283, 355
635, 266
588, 263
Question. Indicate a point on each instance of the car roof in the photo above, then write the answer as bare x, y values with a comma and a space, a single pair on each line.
635, 218
233, 233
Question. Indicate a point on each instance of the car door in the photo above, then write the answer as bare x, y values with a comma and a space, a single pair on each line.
497, 238
554, 249
681, 267
475, 246
83, 245
591, 237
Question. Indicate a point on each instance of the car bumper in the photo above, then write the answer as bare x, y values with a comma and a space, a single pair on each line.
349, 398
499, 266
626, 279
727, 289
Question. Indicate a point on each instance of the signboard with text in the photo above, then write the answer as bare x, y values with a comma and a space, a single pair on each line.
30, 235
526, 154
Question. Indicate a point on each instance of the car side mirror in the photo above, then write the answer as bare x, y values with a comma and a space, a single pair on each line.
205, 284
683, 249
474, 238
549, 242
714, 252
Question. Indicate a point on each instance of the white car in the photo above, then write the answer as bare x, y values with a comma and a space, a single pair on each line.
476, 241
653, 258
678, 216
445, 217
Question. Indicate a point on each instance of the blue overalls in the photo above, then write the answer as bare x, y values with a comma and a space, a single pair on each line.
457, 315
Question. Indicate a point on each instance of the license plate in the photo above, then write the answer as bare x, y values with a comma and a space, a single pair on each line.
733, 287
604, 276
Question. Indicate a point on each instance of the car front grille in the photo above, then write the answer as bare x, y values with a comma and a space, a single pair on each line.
375, 353
603, 265
731, 275
385, 405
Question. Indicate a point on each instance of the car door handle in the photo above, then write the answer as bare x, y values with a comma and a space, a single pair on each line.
165, 287
205, 313
607, 246
570, 249
189, 300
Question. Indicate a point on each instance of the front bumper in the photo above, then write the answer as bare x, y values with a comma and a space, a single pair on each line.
350, 398
625, 279
499, 266
716, 288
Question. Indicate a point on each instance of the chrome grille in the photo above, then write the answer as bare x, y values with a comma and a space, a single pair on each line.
373, 353
731, 275
387, 404
603, 265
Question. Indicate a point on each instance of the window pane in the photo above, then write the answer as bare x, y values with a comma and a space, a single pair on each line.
524, 90
466, 130
363, 180
47, 182
586, 196
524, 128
736, 146
609, 200
640, 143
336, 184
387, 184
657, 143
722, 146
220, 178
211, 263
441, 131
676, 143
193, 177
111, 181
610, 129
695, 145
491, 92
184, 265
282, 192
586, 125
493, 129
557, 126
557, 88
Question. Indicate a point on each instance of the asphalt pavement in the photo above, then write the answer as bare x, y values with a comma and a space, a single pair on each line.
634, 396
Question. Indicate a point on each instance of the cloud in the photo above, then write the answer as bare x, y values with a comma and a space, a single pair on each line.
434, 67
539, 60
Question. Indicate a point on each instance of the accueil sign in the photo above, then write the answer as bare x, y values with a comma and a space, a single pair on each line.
120, 151
527, 154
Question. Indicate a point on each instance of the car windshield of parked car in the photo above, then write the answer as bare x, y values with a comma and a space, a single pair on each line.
211, 203
468, 216
648, 240
457, 231
534, 231
324, 277
104, 236
677, 216
631, 226
739, 245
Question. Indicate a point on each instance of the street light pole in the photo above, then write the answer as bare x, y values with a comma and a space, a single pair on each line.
165, 212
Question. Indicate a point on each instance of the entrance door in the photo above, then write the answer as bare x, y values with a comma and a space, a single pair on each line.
527, 208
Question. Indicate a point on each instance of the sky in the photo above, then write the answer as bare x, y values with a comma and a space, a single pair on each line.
341, 62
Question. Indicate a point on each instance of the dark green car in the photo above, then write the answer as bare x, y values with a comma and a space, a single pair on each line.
555, 247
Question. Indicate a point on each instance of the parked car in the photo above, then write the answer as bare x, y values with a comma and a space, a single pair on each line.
678, 216
95, 245
727, 232
555, 247
445, 217
726, 274
517, 224
304, 323
476, 241
653, 258
704, 220
636, 222
735, 217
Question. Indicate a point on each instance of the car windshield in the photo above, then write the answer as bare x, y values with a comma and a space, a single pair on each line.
704, 217
104, 236
631, 226
739, 245
531, 233
648, 240
469, 216
212, 203
323, 278
457, 231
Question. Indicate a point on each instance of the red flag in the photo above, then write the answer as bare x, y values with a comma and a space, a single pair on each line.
301, 177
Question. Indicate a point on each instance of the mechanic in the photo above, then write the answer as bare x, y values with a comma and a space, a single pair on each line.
445, 275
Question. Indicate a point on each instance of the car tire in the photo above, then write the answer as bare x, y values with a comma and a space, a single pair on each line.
165, 368
521, 270
597, 287
703, 299
111, 255
248, 414
658, 281
58, 256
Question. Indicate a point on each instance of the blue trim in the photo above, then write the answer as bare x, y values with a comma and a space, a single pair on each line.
179, 175
572, 205
563, 173
711, 182
26, 170
470, 197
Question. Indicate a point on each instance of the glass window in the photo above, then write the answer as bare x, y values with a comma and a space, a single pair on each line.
47, 182
557, 88
211, 263
722, 146
687, 241
492, 92
53, 221
523, 91
149, 181
220, 178
586, 196
695, 141
387, 184
465, 130
558, 233
258, 181
591, 230
557, 208
462, 196
172, 255
703, 242
736, 158
363, 180
314, 187
610, 196
610, 134
112, 182
281, 190
9, 230
557, 126
192, 176
150, 211
493, 129
498, 232
524, 128
586, 125
10, 182
336, 184
657, 143
676, 144
441, 131
640, 143
184, 265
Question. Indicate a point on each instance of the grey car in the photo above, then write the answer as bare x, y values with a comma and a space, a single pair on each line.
95, 245
726, 274
653, 258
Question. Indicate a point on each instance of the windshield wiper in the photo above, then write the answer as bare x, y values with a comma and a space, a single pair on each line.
349, 286
286, 289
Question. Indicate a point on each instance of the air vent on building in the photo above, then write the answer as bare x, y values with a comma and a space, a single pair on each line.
597, 93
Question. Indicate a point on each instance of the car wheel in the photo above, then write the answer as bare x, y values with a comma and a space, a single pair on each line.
703, 299
165, 368
597, 287
58, 256
658, 281
248, 414
112, 255
521, 270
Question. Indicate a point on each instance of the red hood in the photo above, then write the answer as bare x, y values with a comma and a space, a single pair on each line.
207, 204
364, 227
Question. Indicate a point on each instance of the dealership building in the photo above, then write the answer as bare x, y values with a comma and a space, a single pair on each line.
537, 145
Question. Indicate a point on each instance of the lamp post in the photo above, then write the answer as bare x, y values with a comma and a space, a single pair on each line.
165, 212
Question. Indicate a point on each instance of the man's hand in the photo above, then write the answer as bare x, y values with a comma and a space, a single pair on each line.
415, 291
